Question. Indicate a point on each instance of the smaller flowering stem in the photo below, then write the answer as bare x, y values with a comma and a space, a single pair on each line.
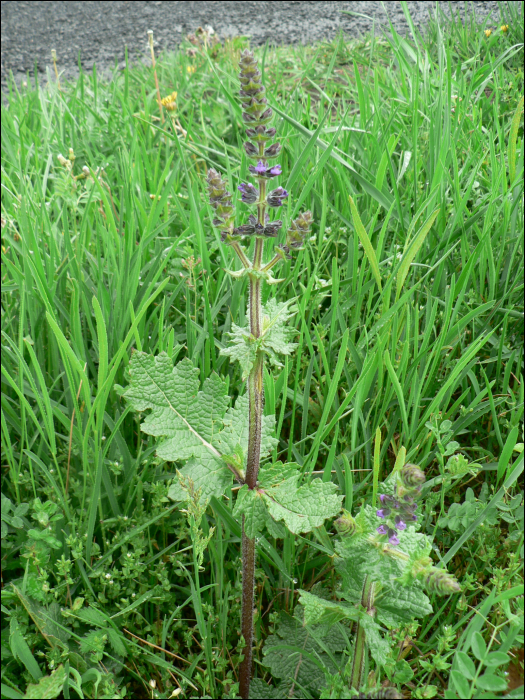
276, 258
242, 255
152, 51
358, 663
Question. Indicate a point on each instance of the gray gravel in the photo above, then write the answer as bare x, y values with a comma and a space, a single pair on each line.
101, 30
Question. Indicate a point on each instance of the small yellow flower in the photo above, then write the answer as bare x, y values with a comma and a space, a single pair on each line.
504, 27
488, 32
190, 69
169, 101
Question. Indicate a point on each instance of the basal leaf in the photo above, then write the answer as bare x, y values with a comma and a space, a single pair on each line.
187, 418
293, 653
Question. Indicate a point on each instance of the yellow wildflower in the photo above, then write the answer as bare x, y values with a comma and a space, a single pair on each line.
488, 32
504, 27
169, 101
190, 69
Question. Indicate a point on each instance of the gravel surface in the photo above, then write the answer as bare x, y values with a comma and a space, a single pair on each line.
101, 30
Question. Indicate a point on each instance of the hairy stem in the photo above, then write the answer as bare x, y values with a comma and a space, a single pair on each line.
248, 581
359, 660
256, 401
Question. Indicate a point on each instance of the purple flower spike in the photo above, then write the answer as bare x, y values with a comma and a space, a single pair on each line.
382, 530
382, 497
250, 194
400, 525
276, 170
393, 541
380, 513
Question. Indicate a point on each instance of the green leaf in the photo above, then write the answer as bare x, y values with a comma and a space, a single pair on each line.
496, 658
293, 653
465, 665
460, 683
411, 252
403, 673
189, 419
300, 507
250, 504
378, 646
318, 611
48, 686
274, 339
243, 348
21, 651
479, 648
235, 433
48, 620
365, 242
489, 681
278, 497
513, 137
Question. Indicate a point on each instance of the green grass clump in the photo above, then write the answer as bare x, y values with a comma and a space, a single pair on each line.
409, 153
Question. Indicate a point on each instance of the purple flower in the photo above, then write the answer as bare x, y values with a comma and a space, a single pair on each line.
275, 197
250, 194
380, 513
400, 524
382, 498
262, 170
259, 169
382, 530
393, 540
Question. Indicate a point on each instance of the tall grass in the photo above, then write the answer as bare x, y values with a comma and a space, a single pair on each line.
409, 152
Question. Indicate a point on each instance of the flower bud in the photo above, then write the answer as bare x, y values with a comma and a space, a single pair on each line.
272, 229
441, 582
250, 193
261, 133
299, 229
220, 199
272, 151
244, 230
275, 197
283, 251
345, 525
412, 476
251, 150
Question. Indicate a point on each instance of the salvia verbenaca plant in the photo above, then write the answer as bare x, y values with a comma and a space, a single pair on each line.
385, 571
218, 442
385, 566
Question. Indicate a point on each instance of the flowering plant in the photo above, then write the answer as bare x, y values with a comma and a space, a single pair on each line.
221, 443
